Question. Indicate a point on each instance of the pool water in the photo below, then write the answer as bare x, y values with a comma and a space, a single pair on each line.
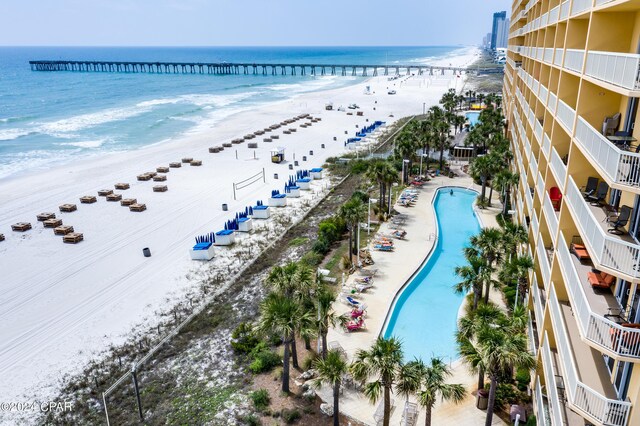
472, 117
425, 313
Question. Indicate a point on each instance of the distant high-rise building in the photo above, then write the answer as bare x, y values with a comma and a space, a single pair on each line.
499, 30
487, 43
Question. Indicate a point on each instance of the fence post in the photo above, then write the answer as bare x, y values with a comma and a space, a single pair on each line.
106, 412
135, 385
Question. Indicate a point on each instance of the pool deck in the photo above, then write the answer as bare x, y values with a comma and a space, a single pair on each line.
394, 269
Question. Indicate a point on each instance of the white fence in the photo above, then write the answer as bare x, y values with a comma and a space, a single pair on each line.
579, 6
566, 115
549, 212
608, 250
587, 400
620, 166
620, 69
550, 379
543, 260
574, 59
558, 168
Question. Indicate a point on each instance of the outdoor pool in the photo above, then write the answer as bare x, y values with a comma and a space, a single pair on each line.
472, 117
425, 311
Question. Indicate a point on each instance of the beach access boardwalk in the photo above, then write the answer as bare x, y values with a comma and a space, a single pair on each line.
225, 68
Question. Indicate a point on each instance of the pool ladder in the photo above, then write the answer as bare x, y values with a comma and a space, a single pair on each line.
432, 236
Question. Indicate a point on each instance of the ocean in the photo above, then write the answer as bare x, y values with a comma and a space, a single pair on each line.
48, 119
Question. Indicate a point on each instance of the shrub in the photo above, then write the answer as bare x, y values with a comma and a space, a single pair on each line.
523, 378
251, 420
243, 340
260, 399
358, 166
360, 196
312, 258
264, 359
506, 394
531, 421
307, 363
321, 246
290, 416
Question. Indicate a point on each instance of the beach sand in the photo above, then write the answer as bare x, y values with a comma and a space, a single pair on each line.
62, 304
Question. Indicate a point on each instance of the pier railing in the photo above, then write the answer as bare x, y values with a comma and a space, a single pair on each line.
225, 68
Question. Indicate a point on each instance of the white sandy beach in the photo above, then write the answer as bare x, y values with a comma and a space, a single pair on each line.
62, 304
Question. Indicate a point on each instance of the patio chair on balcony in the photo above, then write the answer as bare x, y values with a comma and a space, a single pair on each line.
556, 197
600, 280
579, 250
592, 185
619, 221
600, 194
610, 124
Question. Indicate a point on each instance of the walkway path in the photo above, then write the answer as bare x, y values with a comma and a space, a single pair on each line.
394, 269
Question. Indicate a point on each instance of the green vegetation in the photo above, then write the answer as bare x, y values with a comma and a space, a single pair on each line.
298, 241
260, 399
197, 404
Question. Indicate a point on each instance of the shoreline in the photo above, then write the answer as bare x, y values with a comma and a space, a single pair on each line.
77, 301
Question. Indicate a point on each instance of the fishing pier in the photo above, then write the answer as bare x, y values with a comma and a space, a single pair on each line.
225, 68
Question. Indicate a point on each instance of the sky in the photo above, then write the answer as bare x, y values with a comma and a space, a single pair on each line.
246, 22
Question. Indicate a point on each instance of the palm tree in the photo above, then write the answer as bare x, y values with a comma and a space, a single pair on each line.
434, 384
502, 350
281, 315
469, 327
375, 173
326, 316
377, 369
390, 177
489, 242
519, 269
471, 275
505, 180
353, 212
481, 169
330, 371
513, 235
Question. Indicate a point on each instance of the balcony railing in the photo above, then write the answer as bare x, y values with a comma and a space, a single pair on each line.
538, 131
533, 165
619, 166
544, 92
534, 224
528, 199
543, 260
558, 168
550, 380
608, 251
548, 55
546, 146
574, 59
553, 15
579, 6
606, 411
542, 415
540, 186
566, 115
593, 326
532, 339
620, 69
552, 102
558, 55
564, 9
537, 300
550, 213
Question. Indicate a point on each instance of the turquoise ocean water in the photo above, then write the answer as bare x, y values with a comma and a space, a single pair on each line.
425, 313
50, 118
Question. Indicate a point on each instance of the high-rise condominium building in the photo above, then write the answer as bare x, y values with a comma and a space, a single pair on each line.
499, 30
571, 99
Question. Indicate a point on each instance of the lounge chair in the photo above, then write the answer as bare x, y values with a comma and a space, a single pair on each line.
600, 280
358, 312
617, 222
600, 194
355, 325
556, 197
590, 188
353, 302
360, 288
380, 247
580, 251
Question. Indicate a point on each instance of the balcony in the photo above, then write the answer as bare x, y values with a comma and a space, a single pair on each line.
529, 199
595, 312
558, 168
534, 224
551, 215
553, 382
552, 102
542, 408
618, 166
553, 15
619, 69
543, 260
533, 337
586, 377
618, 253
544, 93
537, 131
548, 55
566, 115
533, 165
